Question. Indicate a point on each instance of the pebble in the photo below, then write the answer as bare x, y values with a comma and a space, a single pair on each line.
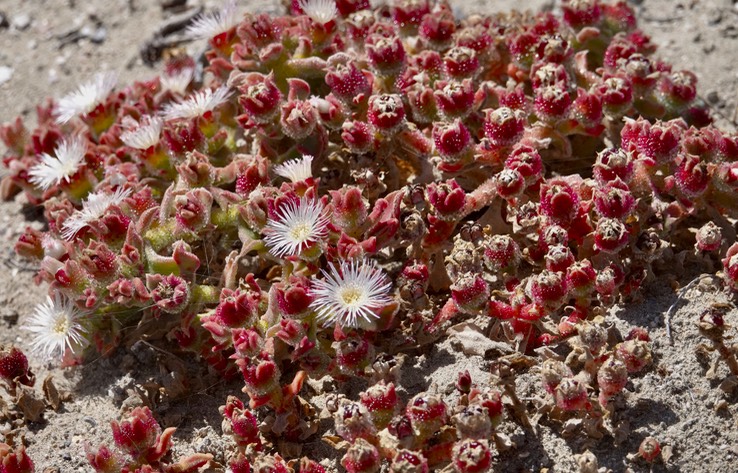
90, 420
4, 23
5, 74
713, 97
21, 21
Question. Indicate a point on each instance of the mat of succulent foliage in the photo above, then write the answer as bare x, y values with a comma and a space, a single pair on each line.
341, 185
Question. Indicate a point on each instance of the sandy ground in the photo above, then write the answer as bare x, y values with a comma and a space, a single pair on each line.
50, 46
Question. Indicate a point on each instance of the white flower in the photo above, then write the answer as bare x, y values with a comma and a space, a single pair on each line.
86, 97
143, 134
52, 170
93, 208
56, 327
353, 291
296, 170
210, 25
198, 104
301, 224
320, 11
178, 81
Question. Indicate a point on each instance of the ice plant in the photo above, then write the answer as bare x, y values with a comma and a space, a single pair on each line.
56, 327
351, 294
259, 220
297, 229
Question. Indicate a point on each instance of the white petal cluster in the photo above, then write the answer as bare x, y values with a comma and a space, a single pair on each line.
350, 293
296, 170
93, 208
56, 328
52, 170
179, 81
299, 225
86, 97
211, 24
198, 104
320, 11
143, 134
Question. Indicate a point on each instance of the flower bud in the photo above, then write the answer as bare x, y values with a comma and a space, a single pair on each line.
677, 90
293, 296
552, 103
548, 289
509, 184
438, 29
380, 401
408, 461
611, 164
447, 198
362, 457
580, 279
353, 421
460, 63
526, 161
650, 449
559, 201
581, 13
473, 422
455, 99
571, 395
559, 258
427, 414
470, 292
616, 94
452, 141
259, 97
353, 355
587, 110
386, 112
102, 459
358, 136
635, 354
504, 126
386, 54
136, 433
15, 461
692, 177
240, 422
261, 378
347, 82
552, 373
614, 200
709, 237
170, 293
14, 366
611, 235
611, 378
491, 400
298, 119
471, 456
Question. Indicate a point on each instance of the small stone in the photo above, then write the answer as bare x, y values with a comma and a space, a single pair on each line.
714, 17
4, 23
66, 456
90, 420
713, 97
21, 21
5, 74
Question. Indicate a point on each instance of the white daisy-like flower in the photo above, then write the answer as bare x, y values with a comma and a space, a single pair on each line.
198, 104
178, 81
143, 134
93, 208
86, 97
52, 170
320, 11
296, 170
56, 327
211, 24
300, 225
350, 293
